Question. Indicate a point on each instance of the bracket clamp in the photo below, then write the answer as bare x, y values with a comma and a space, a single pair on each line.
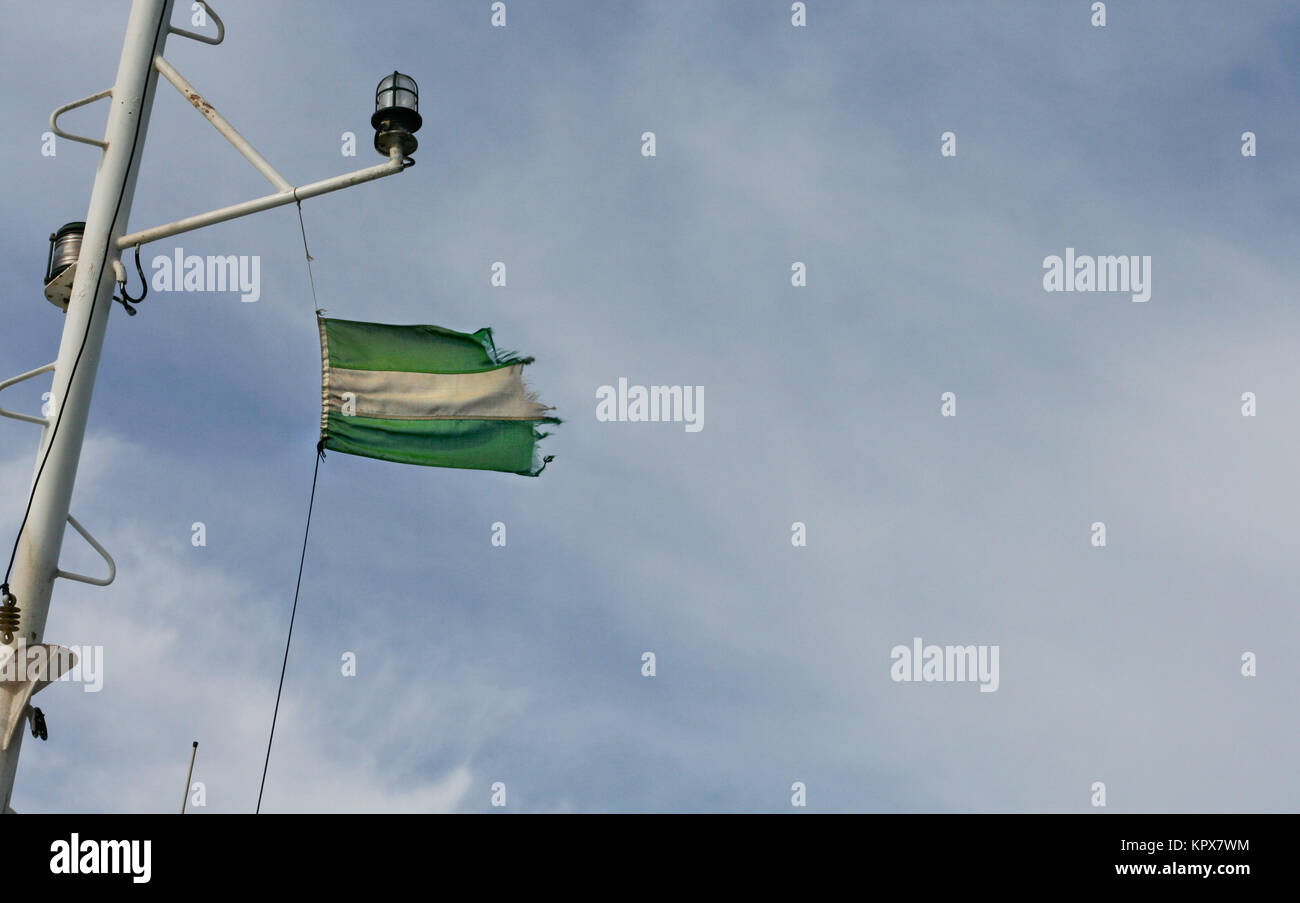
103, 553
54, 119
194, 36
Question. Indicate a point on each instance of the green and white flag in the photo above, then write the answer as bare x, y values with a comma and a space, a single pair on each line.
427, 395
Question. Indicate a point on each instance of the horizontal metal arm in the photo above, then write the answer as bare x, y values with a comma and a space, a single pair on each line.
17, 379
395, 163
54, 119
221, 28
103, 553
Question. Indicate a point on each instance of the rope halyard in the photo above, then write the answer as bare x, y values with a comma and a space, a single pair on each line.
289, 639
311, 504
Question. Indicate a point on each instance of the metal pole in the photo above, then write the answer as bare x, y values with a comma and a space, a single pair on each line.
194, 751
83, 337
257, 205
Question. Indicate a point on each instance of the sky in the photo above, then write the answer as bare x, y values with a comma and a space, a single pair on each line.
522, 665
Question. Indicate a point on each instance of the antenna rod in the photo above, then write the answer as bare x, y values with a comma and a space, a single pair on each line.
194, 751
37, 561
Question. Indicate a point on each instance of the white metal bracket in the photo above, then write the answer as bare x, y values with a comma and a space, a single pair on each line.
58, 291
285, 192
54, 119
103, 553
221, 28
17, 379
51, 662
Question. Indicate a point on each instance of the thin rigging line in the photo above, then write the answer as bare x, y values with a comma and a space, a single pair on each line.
267, 764
311, 504
310, 275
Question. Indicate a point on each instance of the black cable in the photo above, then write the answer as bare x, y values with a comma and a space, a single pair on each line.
117, 211
307, 532
125, 299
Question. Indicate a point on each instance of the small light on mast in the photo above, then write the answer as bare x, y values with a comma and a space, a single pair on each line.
397, 117
65, 248
60, 268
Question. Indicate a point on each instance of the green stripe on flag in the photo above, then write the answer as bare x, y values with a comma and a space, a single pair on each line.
415, 349
507, 445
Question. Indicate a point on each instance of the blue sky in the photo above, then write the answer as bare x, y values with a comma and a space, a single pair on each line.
774, 144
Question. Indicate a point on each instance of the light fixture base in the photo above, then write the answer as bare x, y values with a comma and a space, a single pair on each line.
395, 137
58, 291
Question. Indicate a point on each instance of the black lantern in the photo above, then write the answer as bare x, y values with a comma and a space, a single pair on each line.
65, 248
397, 116
61, 267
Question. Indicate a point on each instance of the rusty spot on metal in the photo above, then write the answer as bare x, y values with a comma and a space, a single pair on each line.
199, 103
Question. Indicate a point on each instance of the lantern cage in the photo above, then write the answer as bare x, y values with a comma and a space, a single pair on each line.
396, 118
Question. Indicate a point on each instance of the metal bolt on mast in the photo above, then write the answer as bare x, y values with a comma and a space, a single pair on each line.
87, 286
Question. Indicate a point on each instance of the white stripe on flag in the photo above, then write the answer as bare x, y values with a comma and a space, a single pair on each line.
497, 394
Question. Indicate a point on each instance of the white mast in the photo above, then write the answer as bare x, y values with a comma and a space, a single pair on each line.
83, 336
36, 565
